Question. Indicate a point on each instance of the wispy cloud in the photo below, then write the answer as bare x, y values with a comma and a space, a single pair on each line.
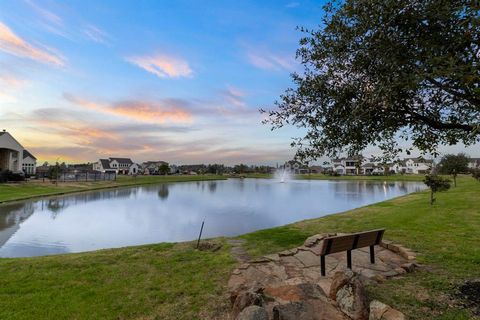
163, 66
49, 21
168, 110
15, 45
234, 96
96, 34
292, 4
265, 59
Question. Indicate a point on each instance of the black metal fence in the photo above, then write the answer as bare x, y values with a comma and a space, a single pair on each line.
87, 176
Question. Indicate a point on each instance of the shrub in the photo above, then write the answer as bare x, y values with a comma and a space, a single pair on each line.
436, 184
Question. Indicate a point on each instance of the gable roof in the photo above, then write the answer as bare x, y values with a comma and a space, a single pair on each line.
105, 163
27, 154
122, 160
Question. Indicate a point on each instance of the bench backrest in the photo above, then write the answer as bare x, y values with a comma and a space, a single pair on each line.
351, 241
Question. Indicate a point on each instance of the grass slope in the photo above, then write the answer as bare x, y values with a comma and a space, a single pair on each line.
20, 191
446, 235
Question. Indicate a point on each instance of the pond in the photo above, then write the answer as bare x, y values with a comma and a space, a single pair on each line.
174, 212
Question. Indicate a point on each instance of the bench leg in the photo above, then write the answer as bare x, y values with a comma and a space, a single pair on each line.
349, 259
372, 254
322, 265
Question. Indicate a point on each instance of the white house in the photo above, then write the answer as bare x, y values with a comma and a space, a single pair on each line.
29, 163
474, 163
347, 166
134, 169
11, 153
418, 165
117, 165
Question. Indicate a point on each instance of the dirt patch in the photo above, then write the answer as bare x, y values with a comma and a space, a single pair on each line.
209, 246
469, 293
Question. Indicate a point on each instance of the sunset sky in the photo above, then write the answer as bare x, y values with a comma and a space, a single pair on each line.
180, 81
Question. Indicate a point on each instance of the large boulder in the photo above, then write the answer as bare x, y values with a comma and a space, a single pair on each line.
253, 313
245, 299
381, 311
349, 293
312, 309
303, 301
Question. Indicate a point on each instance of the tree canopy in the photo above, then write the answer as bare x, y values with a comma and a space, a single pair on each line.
454, 164
377, 72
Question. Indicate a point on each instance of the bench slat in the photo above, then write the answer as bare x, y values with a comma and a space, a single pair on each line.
351, 241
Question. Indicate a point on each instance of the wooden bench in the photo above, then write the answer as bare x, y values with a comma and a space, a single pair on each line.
348, 243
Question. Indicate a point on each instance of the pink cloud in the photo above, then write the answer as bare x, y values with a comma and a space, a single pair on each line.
153, 112
163, 66
13, 44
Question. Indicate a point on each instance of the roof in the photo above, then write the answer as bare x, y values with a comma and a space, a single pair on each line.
419, 160
122, 160
27, 154
105, 163
2, 132
366, 165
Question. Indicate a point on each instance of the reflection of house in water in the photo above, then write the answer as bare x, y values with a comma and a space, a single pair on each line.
11, 215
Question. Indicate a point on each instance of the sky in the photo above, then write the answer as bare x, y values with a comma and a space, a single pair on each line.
180, 81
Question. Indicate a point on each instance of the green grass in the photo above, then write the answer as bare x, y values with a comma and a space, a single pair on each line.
174, 281
20, 191
163, 281
445, 235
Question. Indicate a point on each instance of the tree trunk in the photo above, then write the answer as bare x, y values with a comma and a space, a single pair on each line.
455, 180
432, 199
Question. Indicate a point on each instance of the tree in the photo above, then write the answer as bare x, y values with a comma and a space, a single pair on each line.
454, 164
436, 184
476, 174
163, 169
378, 72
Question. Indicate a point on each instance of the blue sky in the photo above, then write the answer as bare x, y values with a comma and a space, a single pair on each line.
180, 81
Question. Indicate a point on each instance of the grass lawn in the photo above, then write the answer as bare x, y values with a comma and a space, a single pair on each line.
174, 281
19, 191
162, 281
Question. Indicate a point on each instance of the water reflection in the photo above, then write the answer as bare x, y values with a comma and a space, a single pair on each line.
163, 191
174, 212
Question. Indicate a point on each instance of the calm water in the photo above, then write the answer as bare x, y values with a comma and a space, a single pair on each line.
174, 212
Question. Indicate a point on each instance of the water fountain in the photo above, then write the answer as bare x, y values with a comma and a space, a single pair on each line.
282, 175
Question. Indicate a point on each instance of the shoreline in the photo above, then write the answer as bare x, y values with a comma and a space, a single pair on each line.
81, 187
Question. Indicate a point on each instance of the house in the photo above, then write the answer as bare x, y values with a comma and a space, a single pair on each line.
117, 165
11, 153
317, 169
418, 165
474, 163
29, 164
295, 167
153, 167
134, 169
348, 166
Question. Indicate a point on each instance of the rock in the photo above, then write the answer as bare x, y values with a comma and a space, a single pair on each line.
297, 292
253, 313
340, 278
246, 299
313, 309
350, 295
409, 266
381, 311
